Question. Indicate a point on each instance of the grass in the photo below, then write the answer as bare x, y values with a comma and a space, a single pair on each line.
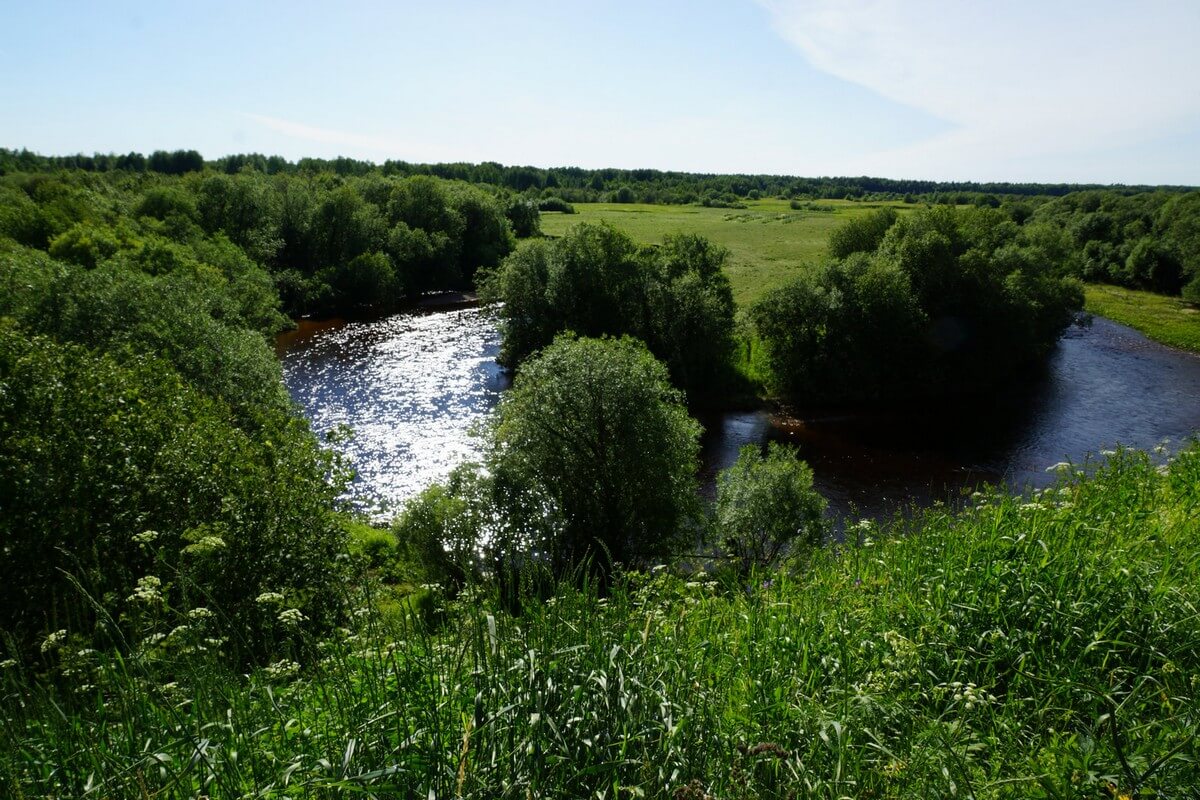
1165, 319
1044, 646
769, 241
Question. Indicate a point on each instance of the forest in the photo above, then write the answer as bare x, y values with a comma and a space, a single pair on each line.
182, 580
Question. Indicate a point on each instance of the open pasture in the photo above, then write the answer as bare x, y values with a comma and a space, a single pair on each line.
769, 241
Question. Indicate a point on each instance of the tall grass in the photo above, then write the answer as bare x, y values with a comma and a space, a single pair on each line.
1037, 646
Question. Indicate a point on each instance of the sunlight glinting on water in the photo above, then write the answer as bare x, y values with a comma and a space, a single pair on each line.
412, 387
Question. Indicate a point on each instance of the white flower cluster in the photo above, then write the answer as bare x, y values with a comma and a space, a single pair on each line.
199, 614
54, 641
283, 670
145, 537
206, 545
269, 599
969, 694
291, 617
148, 591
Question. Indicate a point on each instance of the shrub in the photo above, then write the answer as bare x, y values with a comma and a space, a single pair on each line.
120, 475
765, 504
593, 429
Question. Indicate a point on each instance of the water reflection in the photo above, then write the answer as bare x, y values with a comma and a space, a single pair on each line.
1104, 386
413, 387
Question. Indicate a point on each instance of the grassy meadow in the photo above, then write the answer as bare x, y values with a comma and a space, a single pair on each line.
769, 241
1045, 646
1165, 319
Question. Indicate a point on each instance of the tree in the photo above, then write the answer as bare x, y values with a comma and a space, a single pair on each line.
862, 234
596, 281
524, 217
765, 504
594, 427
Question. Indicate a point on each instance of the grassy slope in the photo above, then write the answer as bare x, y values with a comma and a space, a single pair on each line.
1164, 319
769, 242
1028, 647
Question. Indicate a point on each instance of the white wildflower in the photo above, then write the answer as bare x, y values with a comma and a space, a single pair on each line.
206, 545
145, 537
291, 617
198, 614
269, 599
54, 641
283, 670
148, 591
8, 663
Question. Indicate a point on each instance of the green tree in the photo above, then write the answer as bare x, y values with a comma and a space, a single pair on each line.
861, 234
765, 504
524, 217
595, 428
113, 471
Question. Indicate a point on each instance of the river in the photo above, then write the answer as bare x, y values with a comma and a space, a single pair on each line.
416, 387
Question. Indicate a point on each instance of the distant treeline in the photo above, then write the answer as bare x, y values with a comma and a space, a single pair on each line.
573, 184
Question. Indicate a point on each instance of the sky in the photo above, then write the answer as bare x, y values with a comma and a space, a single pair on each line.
1047, 90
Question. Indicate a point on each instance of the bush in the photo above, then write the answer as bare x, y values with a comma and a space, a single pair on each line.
523, 215
950, 302
765, 504
861, 234
131, 498
594, 433
555, 204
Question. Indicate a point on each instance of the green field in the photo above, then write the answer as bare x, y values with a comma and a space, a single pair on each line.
769, 241
1165, 319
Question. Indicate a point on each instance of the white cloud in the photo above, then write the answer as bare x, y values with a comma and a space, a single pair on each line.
1019, 81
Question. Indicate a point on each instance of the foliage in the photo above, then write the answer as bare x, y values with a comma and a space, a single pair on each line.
119, 474
862, 234
950, 302
765, 504
1040, 646
524, 217
594, 428
555, 204
596, 281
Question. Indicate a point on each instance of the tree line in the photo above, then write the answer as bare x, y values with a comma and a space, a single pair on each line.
574, 184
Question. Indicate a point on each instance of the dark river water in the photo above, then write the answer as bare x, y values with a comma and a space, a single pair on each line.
414, 387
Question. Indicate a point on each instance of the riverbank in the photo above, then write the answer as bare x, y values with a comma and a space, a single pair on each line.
1164, 319
1035, 646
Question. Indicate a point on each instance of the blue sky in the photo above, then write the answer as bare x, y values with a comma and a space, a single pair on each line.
1048, 91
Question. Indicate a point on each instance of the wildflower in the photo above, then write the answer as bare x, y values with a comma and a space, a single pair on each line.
206, 545
291, 617
54, 641
282, 670
145, 537
148, 591
201, 613
269, 599
8, 663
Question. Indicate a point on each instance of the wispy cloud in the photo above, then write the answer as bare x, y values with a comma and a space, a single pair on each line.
1019, 81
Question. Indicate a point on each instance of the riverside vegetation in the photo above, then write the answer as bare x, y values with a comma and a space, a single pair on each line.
188, 609
1041, 646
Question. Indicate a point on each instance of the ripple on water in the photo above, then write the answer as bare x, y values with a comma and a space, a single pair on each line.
411, 386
